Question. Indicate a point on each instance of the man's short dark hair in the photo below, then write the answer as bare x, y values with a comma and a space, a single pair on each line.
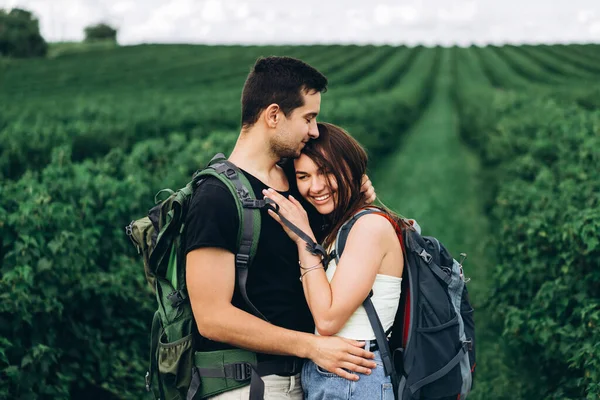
279, 80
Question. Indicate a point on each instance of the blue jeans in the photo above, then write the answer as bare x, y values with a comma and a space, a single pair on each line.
319, 384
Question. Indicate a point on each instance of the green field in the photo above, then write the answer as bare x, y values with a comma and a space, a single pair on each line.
494, 150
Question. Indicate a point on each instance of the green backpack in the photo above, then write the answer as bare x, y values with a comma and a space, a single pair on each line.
174, 363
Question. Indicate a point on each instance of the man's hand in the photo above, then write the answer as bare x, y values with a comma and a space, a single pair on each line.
336, 354
367, 190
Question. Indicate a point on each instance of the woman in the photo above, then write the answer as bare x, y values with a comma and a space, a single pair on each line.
328, 175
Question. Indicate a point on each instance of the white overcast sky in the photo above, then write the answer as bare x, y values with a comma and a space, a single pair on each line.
409, 22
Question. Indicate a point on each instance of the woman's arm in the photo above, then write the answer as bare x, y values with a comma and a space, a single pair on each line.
332, 304
372, 237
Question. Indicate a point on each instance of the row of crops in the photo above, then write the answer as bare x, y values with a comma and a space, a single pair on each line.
87, 139
80, 161
96, 109
115, 98
531, 113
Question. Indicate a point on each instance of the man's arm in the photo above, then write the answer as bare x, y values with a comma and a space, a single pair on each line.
211, 290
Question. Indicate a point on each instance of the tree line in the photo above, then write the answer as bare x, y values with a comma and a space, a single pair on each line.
20, 35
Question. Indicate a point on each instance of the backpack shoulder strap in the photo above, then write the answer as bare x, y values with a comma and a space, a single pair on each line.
380, 335
248, 208
342, 235
381, 338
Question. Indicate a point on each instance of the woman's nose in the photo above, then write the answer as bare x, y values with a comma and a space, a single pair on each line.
318, 183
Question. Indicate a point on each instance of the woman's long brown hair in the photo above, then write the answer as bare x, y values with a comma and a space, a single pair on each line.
337, 153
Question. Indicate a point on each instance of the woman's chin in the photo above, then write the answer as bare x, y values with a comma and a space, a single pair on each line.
324, 209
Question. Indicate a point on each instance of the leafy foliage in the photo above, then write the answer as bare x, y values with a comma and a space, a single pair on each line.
88, 139
100, 31
70, 275
541, 148
20, 34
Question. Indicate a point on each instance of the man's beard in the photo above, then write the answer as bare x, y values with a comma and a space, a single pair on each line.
285, 150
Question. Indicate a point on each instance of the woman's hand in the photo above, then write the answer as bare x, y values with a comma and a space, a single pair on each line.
291, 210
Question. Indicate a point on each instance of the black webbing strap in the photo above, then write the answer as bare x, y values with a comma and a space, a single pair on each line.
238, 372
194, 384
242, 258
290, 367
230, 171
243, 371
217, 157
344, 232
428, 258
380, 334
382, 342
311, 246
442, 371
242, 262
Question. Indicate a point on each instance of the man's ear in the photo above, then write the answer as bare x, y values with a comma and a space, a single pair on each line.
272, 115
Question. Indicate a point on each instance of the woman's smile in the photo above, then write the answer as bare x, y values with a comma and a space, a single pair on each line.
322, 199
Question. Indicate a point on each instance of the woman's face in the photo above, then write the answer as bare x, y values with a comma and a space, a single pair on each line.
313, 186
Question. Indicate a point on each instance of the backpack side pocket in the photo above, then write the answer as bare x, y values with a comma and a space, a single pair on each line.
175, 362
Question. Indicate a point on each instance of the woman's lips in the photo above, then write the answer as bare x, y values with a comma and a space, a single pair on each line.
321, 199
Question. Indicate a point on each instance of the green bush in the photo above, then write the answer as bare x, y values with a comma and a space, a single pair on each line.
88, 139
84, 153
98, 101
100, 31
74, 305
545, 210
20, 34
379, 119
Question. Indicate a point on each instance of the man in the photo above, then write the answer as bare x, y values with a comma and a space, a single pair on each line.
280, 102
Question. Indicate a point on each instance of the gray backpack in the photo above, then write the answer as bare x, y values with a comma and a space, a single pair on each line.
430, 351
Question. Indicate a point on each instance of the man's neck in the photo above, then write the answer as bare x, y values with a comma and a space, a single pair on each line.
251, 153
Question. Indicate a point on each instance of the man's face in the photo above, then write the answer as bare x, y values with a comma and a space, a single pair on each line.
295, 130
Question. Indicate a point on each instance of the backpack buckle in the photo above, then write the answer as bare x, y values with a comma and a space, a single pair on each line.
242, 372
425, 256
468, 344
230, 173
243, 193
253, 203
176, 298
129, 228
316, 250
241, 260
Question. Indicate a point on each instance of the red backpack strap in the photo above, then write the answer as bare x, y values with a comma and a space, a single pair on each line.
397, 227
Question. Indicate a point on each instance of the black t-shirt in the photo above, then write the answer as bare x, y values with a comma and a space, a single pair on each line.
273, 285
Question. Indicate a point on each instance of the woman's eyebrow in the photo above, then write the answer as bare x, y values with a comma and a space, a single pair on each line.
301, 173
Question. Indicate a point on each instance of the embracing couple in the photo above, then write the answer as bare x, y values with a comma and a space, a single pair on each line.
314, 325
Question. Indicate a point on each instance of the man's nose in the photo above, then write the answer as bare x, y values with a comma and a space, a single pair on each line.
313, 131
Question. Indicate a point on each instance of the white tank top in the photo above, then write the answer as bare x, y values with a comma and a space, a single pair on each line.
386, 295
